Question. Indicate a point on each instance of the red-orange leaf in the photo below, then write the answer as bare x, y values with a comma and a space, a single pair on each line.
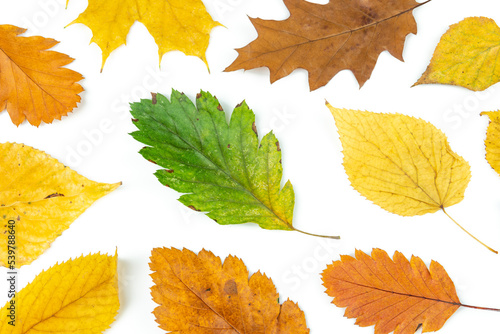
394, 295
200, 294
33, 83
325, 39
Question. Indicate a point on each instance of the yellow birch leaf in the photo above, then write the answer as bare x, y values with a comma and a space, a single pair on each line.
77, 296
467, 56
39, 198
493, 140
401, 163
182, 25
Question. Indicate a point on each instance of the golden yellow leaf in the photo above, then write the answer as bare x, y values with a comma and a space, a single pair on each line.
33, 83
466, 56
41, 198
200, 294
403, 164
77, 296
182, 25
493, 140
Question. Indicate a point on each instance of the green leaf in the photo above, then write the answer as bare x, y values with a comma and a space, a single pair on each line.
221, 168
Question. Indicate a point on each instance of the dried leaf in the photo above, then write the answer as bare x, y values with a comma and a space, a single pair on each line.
467, 56
77, 296
41, 198
403, 164
199, 294
394, 295
33, 83
222, 168
493, 140
326, 39
182, 25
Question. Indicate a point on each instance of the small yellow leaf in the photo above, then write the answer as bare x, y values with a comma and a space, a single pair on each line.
77, 296
466, 56
40, 198
403, 164
493, 140
182, 25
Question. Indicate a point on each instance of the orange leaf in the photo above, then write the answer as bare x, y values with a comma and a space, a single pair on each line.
326, 39
199, 294
394, 295
33, 84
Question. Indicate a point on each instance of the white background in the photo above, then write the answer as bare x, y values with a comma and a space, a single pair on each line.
143, 214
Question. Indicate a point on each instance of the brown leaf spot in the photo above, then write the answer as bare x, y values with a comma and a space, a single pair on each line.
228, 145
278, 146
54, 195
152, 161
135, 120
169, 170
219, 107
254, 128
239, 105
230, 287
153, 95
198, 95
193, 208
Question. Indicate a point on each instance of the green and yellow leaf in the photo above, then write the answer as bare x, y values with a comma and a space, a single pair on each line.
221, 167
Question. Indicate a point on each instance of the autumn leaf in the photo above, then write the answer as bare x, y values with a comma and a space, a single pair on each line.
467, 56
33, 83
182, 25
221, 168
199, 291
493, 140
39, 200
77, 296
326, 39
403, 164
394, 295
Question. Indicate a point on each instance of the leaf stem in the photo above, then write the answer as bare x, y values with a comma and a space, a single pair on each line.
316, 235
482, 243
481, 308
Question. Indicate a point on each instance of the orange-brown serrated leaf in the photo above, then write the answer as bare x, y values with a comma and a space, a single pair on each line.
77, 296
33, 83
394, 295
326, 39
200, 294
492, 141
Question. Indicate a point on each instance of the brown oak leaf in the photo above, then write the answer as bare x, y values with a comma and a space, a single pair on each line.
33, 83
326, 39
200, 294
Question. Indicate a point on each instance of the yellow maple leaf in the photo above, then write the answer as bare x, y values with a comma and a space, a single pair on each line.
493, 140
401, 163
182, 25
77, 296
467, 55
33, 83
39, 199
